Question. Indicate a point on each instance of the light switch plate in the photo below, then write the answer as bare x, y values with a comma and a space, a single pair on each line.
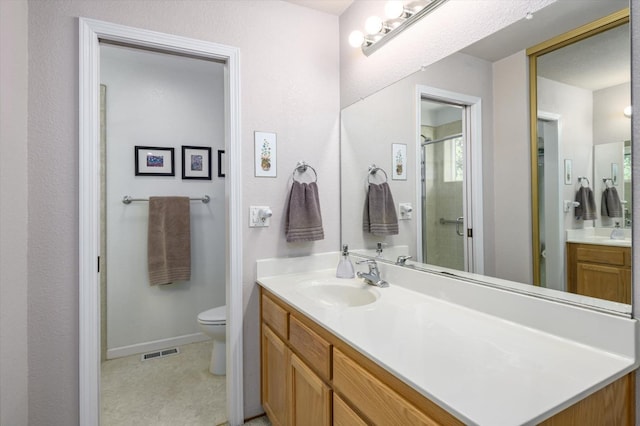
255, 219
405, 211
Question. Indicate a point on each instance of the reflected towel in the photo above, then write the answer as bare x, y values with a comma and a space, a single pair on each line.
610, 205
303, 220
379, 215
587, 208
169, 240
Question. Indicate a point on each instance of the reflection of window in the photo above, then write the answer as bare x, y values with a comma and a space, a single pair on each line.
453, 160
626, 173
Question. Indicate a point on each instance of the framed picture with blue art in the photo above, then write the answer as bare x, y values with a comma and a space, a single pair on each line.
196, 162
154, 161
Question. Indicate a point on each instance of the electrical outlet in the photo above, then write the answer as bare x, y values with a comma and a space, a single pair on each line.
259, 216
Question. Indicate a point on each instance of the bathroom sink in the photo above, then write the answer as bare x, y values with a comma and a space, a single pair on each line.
339, 292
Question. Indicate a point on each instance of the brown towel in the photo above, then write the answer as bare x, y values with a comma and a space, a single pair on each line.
379, 215
169, 240
610, 205
303, 220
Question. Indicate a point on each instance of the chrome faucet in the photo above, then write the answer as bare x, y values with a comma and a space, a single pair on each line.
373, 276
402, 260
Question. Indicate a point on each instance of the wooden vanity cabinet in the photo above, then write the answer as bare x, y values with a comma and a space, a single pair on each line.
311, 377
599, 271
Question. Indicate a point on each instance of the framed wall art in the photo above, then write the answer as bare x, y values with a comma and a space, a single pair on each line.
154, 161
196, 162
399, 161
221, 168
265, 154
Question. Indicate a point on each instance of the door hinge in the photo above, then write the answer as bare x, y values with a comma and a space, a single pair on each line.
469, 233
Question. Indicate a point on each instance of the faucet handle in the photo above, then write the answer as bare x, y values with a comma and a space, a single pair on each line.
402, 260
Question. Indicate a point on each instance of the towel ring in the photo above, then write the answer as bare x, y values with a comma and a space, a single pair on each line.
581, 178
302, 167
373, 169
608, 182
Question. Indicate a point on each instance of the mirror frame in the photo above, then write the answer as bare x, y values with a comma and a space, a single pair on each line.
585, 31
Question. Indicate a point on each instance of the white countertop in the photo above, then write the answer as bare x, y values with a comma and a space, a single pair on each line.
483, 369
599, 236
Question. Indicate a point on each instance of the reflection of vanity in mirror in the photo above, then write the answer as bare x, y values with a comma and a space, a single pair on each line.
476, 207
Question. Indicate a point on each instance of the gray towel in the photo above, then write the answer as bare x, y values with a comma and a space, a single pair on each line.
587, 208
610, 205
169, 240
303, 220
379, 215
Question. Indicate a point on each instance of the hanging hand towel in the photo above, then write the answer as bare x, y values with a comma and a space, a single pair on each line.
610, 205
303, 220
379, 215
587, 208
169, 240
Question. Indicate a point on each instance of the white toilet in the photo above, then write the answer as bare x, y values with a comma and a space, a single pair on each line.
213, 322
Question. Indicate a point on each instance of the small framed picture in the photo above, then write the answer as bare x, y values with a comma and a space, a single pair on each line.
154, 161
399, 161
265, 154
196, 162
221, 168
568, 172
614, 173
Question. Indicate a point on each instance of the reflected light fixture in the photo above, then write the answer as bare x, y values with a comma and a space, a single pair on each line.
379, 32
627, 111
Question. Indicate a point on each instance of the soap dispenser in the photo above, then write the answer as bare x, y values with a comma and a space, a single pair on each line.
345, 267
617, 233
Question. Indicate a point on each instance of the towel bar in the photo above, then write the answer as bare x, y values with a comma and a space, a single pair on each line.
127, 199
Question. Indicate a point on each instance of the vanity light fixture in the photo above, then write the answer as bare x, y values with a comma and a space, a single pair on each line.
627, 111
399, 19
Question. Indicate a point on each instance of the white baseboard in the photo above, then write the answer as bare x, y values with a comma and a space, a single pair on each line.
155, 345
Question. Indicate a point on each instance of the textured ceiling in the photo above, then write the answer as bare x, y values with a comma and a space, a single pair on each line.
334, 7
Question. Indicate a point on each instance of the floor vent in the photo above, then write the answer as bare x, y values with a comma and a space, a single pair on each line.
160, 354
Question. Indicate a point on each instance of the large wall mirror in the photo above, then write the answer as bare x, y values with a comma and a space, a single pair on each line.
451, 145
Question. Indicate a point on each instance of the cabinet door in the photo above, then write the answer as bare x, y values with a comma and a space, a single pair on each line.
343, 415
603, 282
310, 398
275, 362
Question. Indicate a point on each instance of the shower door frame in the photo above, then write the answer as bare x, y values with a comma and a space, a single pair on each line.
472, 187
90, 33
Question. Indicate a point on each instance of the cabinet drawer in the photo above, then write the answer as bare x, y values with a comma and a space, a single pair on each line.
314, 349
601, 254
378, 402
275, 316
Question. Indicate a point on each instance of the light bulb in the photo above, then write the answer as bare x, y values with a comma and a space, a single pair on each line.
356, 38
373, 25
627, 111
394, 9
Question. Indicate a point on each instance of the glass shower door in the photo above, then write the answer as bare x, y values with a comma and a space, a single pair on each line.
443, 224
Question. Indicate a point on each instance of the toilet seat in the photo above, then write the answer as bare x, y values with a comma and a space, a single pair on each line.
214, 316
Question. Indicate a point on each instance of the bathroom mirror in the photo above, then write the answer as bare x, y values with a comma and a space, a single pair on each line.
494, 197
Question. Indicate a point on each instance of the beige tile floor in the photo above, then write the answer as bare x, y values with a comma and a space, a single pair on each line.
175, 390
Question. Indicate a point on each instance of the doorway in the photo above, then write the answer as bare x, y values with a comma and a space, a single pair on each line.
174, 107
91, 33
449, 153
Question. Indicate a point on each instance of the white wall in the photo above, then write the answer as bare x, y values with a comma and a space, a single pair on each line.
161, 100
609, 123
575, 107
290, 85
13, 213
449, 28
511, 213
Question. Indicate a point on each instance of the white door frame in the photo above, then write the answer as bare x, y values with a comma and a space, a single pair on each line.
91, 31
554, 211
474, 252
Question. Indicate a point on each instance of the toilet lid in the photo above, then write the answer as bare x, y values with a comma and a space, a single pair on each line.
214, 315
